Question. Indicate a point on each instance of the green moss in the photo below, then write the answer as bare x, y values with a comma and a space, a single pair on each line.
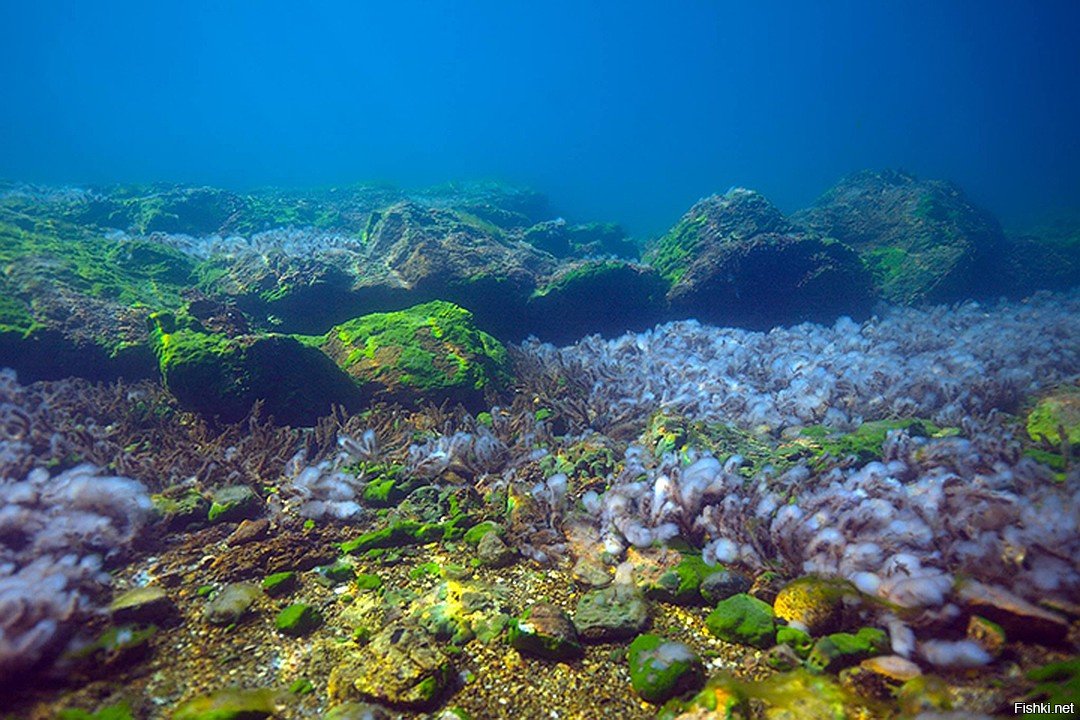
431, 350
673, 252
476, 533
682, 583
839, 650
119, 711
821, 443
297, 619
229, 704
743, 619
589, 273
406, 532
1052, 414
367, 581
279, 583
660, 668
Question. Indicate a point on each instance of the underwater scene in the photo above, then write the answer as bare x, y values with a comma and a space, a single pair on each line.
456, 361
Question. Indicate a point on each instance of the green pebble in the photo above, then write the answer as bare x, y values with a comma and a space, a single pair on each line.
474, 534
367, 581
745, 620
297, 619
661, 668
796, 639
279, 583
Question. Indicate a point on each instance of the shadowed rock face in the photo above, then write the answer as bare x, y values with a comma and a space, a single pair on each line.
922, 240
735, 260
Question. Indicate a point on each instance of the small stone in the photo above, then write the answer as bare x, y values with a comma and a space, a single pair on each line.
679, 583
231, 604
812, 604
181, 510
743, 619
298, 619
612, 613
401, 666
766, 586
145, 605
249, 531
545, 631
231, 704
718, 700
476, 533
356, 711
367, 581
987, 634
592, 573
839, 650
660, 669
338, 572
1020, 619
279, 584
723, 584
493, 552
800, 642
233, 504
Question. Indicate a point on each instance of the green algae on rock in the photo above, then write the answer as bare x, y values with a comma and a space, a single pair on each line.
229, 704
546, 631
430, 352
297, 619
1059, 411
745, 620
402, 665
660, 669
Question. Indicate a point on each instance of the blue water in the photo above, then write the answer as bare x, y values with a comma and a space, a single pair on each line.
625, 111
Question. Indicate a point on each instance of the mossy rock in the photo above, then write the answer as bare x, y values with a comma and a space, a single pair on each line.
432, 352
681, 584
545, 631
223, 376
596, 296
1060, 410
822, 444
840, 650
745, 620
660, 669
814, 604
230, 704
297, 619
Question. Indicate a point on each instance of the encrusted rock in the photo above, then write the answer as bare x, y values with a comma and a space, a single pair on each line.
234, 503
231, 603
249, 531
660, 668
811, 603
493, 552
743, 619
590, 572
146, 605
298, 619
722, 584
1020, 619
402, 666
612, 613
230, 704
546, 631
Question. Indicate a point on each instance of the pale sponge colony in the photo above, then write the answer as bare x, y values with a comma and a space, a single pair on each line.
57, 530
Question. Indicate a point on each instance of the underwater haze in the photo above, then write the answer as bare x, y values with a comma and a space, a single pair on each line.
621, 111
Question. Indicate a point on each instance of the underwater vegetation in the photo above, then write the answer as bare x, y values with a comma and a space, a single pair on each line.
440, 454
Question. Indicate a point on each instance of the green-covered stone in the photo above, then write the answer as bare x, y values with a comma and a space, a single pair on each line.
280, 583
233, 504
297, 619
682, 583
612, 613
839, 650
232, 603
800, 642
1056, 412
367, 581
545, 631
743, 619
662, 668
231, 704
429, 352
474, 534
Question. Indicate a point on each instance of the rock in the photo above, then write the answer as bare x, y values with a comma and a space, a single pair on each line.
432, 352
660, 669
735, 260
1019, 619
722, 584
591, 573
743, 619
680, 583
356, 711
800, 642
221, 375
249, 531
341, 571
234, 503
367, 581
457, 611
879, 678
545, 631
231, 603
923, 240
230, 704
609, 297
988, 635
616, 612
148, 605
400, 666
1060, 410
493, 552
278, 584
720, 699
297, 619
839, 650
812, 603
181, 509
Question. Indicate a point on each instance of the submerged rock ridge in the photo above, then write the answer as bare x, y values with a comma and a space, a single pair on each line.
845, 520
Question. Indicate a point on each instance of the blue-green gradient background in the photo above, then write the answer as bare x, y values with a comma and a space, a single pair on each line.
625, 111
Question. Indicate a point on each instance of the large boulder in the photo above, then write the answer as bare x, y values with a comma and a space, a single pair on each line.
734, 259
224, 373
922, 240
430, 352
